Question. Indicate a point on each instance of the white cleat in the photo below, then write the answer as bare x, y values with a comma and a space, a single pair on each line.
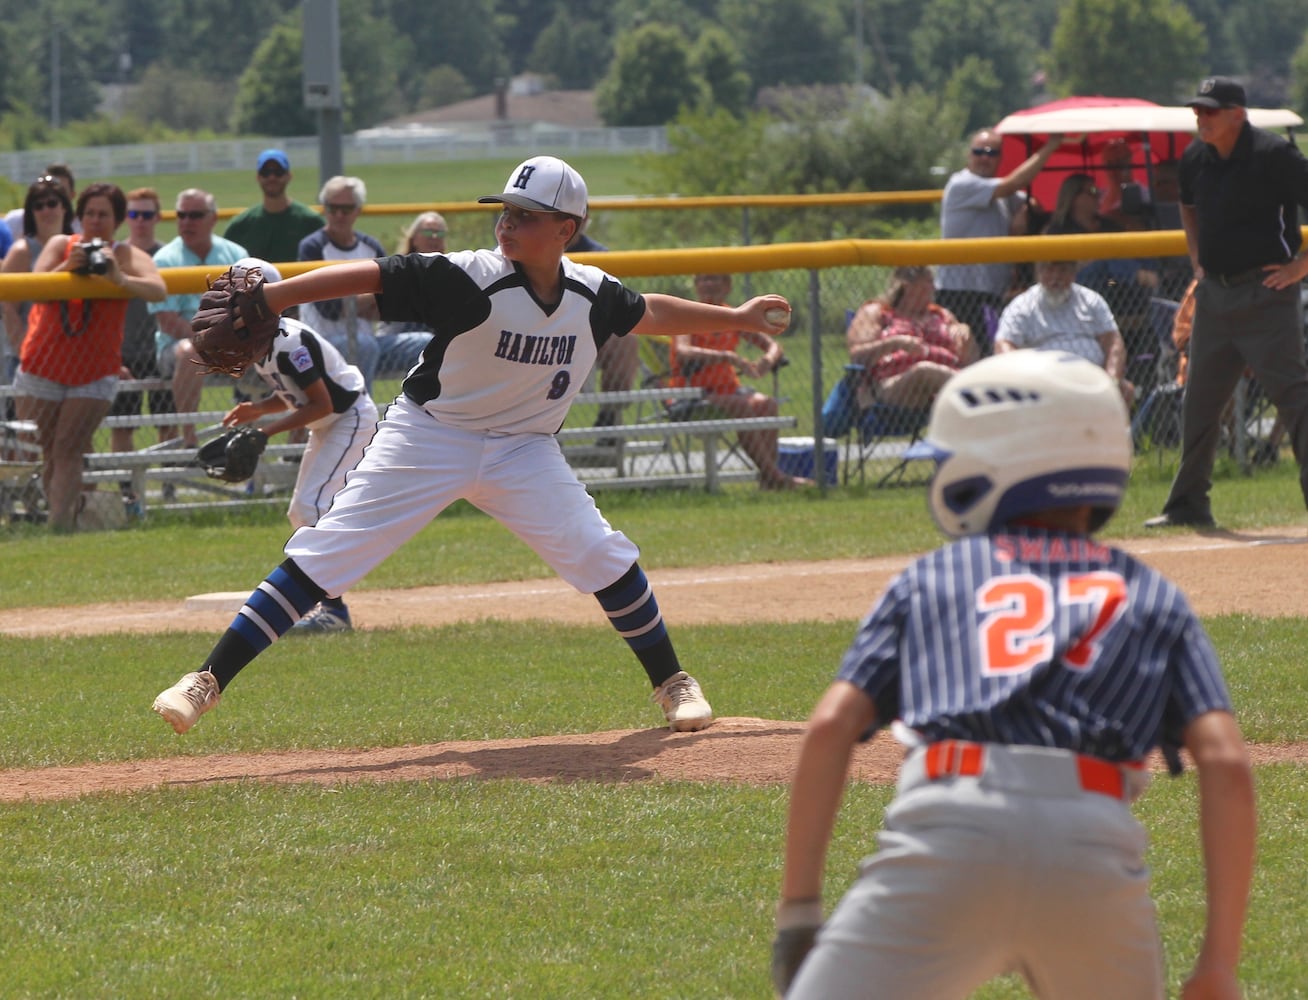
188, 699
683, 703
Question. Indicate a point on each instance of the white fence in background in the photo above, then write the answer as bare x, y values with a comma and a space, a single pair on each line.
392, 145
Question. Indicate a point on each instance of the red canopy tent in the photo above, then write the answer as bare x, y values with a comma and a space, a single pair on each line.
1096, 122
1153, 133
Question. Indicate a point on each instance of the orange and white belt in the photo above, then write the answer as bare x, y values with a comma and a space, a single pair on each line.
1040, 770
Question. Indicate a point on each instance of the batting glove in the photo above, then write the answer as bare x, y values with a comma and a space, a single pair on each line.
798, 922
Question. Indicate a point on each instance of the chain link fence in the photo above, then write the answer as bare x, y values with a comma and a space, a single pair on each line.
850, 427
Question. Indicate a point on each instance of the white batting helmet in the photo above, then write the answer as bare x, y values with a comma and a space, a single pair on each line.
1021, 432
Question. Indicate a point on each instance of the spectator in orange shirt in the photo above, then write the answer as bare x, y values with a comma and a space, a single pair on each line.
72, 353
712, 362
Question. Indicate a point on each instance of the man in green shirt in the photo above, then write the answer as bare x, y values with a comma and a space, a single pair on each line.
273, 230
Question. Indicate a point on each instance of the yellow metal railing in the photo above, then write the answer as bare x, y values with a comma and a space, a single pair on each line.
733, 260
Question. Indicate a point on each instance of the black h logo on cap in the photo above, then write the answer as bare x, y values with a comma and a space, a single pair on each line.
524, 177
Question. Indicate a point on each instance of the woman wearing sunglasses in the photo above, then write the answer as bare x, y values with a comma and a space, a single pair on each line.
72, 353
401, 344
425, 234
1128, 283
47, 212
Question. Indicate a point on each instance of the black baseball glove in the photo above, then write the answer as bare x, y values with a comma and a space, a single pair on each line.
234, 326
233, 457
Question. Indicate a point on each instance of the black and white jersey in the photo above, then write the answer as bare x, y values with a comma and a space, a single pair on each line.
500, 361
301, 357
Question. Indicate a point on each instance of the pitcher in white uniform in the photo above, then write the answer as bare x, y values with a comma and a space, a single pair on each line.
517, 330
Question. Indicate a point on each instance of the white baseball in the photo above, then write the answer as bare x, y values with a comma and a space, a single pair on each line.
777, 316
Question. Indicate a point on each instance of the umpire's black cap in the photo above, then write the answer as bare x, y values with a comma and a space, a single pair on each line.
1218, 92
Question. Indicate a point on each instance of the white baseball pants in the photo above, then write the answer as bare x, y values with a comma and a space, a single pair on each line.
415, 467
333, 449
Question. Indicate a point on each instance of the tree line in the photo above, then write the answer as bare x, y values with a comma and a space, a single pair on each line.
202, 69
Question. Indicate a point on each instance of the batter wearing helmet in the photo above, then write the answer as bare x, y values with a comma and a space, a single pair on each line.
1030, 669
517, 330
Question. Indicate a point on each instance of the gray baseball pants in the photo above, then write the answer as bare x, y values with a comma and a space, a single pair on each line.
1018, 869
1238, 325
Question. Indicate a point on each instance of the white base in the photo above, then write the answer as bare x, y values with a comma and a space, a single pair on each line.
229, 600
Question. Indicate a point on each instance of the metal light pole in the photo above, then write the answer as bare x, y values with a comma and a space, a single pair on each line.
858, 43
322, 81
55, 73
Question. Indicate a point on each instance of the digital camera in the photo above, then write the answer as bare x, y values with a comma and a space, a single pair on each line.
97, 257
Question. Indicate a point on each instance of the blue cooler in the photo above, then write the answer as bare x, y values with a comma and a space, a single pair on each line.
795, 457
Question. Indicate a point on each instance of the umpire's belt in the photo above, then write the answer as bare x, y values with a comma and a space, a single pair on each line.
1040, 770
1238, 278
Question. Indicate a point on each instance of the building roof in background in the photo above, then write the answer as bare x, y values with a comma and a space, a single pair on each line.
573, 108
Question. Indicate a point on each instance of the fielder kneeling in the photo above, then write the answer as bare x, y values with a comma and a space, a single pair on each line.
1032, 670
315, 388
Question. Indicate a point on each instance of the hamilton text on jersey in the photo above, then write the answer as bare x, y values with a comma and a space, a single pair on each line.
530, 350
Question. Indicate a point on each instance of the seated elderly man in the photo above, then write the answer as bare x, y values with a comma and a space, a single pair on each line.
1057, 314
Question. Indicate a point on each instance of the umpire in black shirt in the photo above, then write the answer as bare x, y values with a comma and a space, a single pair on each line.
1240, 191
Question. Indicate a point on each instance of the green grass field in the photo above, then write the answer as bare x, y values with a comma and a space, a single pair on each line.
470, 888
473, 888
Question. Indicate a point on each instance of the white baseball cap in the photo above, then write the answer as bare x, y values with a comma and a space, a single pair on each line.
543, 184
270, 273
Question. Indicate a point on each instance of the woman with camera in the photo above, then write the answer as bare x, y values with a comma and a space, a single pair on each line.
47, 212
71, 355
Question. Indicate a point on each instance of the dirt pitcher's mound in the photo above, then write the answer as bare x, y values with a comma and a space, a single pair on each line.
753, 751
757, 751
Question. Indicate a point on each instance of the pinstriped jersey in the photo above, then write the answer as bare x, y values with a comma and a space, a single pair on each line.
301, 357
501, 361
1039, 638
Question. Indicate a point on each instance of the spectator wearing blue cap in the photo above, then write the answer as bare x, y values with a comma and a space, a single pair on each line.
273, 230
